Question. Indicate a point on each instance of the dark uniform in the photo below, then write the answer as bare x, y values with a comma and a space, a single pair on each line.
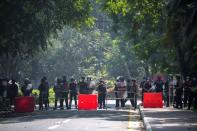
194, 92
101, 94
179, 92
58, 89
187, 90
4, 102
159, 85
73, 92
3, 87
190, 95
167, 91
44, 93
65, 91
147, 87
142, 84
134, 94
83, 86
27, 88
12, 91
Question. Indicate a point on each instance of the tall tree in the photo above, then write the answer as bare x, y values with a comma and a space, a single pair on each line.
27, 25
141, 24
182, 33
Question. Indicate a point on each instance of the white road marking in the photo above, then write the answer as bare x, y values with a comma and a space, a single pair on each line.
66, 121
58, 123
53, 127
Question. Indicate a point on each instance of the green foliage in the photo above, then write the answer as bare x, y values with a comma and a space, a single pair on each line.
35, 92
27, 25
51, 97
142, 29
133, 41
79, 53
146, 18
136, 13
110, 84
115, 6
120, 60
182, 34
20, 92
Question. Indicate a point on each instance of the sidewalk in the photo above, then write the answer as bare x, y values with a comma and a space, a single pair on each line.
168, 119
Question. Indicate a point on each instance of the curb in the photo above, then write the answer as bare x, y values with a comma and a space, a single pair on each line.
145, 121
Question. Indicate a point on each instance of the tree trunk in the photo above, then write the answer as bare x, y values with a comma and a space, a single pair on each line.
184, 62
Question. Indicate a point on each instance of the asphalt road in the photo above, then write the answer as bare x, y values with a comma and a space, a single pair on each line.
74, 120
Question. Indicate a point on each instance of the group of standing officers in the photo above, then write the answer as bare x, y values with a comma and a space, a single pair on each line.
9, 89
126, 89
179, 92
64, 91
8, 92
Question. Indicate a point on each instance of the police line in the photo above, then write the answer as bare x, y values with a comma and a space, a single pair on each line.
125, 93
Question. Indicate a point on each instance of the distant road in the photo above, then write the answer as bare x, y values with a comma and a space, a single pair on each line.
73, 120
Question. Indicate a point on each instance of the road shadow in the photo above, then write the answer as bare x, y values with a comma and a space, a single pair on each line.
178, 120
106, 114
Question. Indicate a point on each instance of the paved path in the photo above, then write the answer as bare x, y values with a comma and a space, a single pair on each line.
74, 120
169, 119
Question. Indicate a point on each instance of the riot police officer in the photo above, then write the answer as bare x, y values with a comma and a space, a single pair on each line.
27, 87
187, 88
190, 94
101, 94
58, 89
147, 86
12, 91
44, 93
65, 90
135, 92
120, 90
73, 92
179, 92
159, 85
194, 91
83, 87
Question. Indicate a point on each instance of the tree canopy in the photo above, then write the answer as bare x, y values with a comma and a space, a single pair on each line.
131, 38
182, 33
164, 30
27, 25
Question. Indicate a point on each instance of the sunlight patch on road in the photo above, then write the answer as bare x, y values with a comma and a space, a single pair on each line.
53, 127
66, 121
133, 123
129, 121
58, 124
